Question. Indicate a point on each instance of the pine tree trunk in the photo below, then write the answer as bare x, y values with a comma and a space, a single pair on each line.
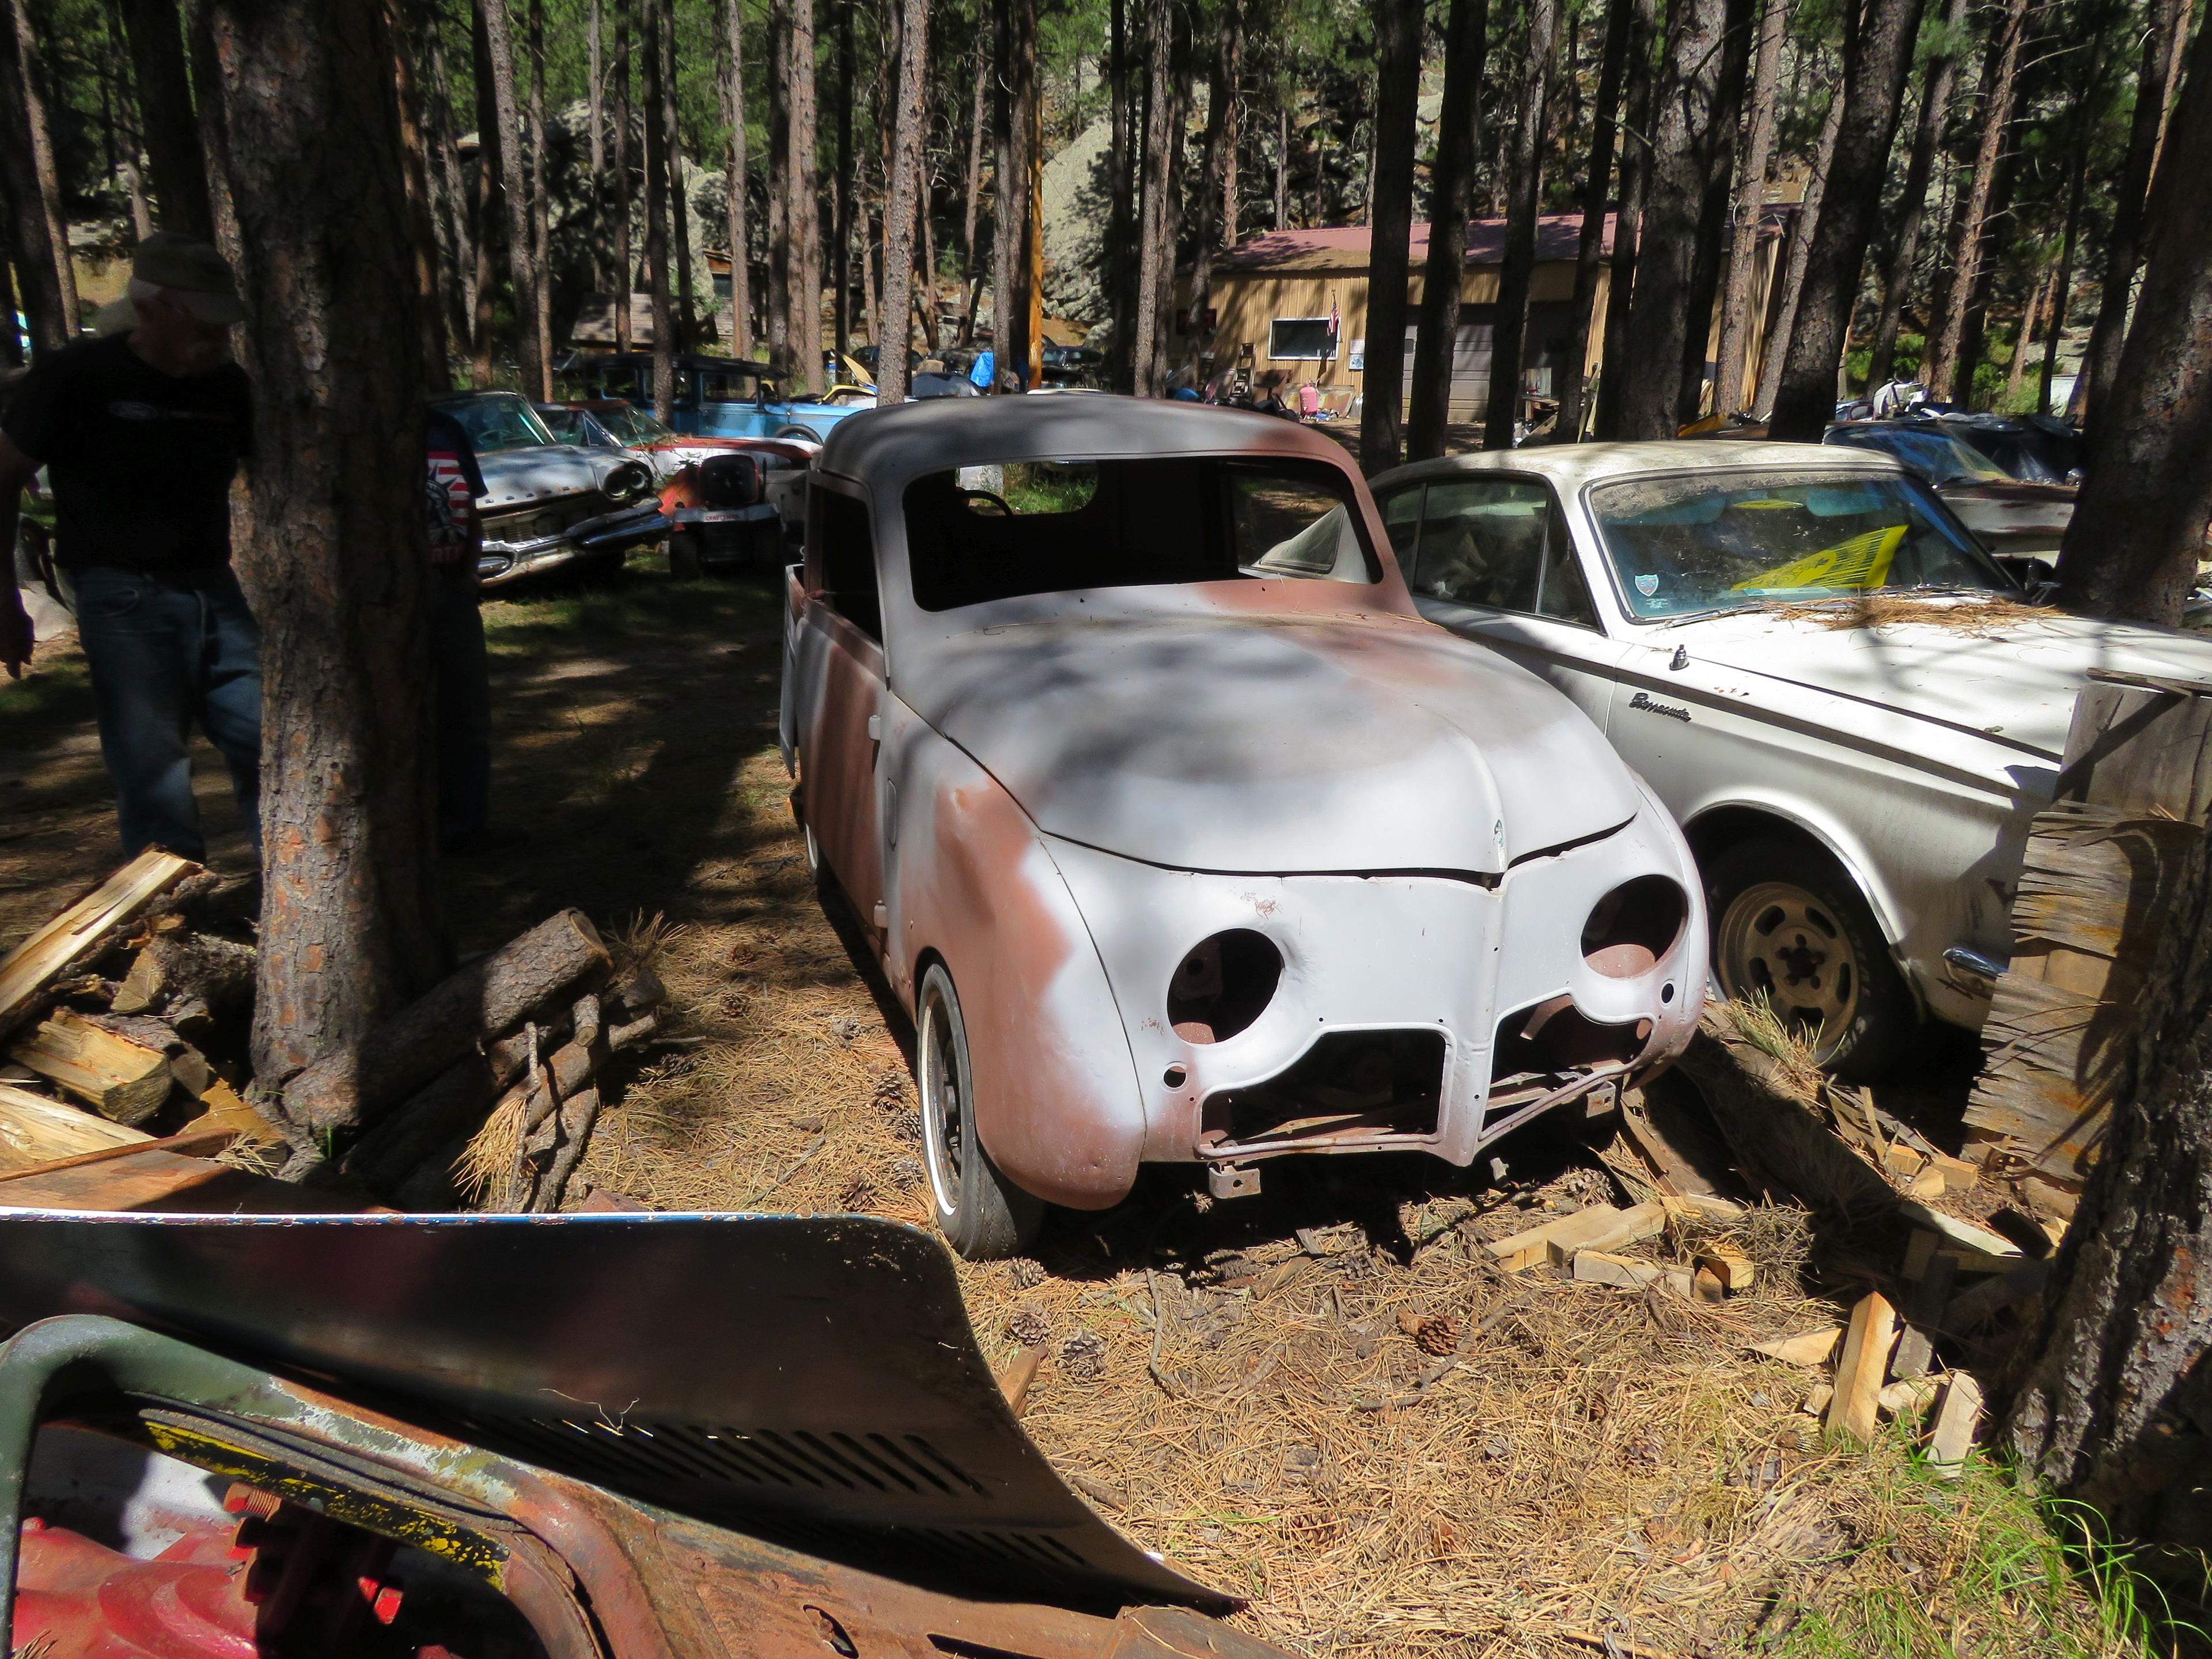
1877, 56
1156, 249
2138, 530
2124, 243
595, 118
541, 230
1459, 138
340, 574
215, 138
656, 213
489, 197
2038, 300
2087, 109
1032, 343
1524, 197
625, 189
735, 178
1798, 257
13, 348
459, 247
1217, 168
1718, 161
414, 150
23, 69
840, 241
971, 180
1730, 393
903, 194
1936, 83
1589, 248
679, 190
165, 113
1018, 347
1686, 131
1397, 88
804, 207
1941, 370
522, 266
1628, 219
1974, 325
781, 269
1121, 207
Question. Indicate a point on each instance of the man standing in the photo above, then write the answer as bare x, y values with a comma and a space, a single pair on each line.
141, 434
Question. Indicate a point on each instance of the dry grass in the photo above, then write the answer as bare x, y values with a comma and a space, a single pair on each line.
1958, 613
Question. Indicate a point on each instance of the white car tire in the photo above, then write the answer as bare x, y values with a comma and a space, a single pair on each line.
983, 1215
1790, 926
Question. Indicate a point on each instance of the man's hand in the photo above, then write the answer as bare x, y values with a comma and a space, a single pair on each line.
15, 633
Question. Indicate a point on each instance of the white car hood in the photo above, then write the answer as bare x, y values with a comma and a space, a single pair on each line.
1276, 745
2015, 681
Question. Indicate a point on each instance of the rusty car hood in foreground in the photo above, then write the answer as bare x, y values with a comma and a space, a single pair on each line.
1227, 727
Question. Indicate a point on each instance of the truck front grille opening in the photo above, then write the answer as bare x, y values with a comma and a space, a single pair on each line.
1554, 1038
1348, 1084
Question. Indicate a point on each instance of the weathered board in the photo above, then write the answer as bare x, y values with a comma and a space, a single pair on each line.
2134, 792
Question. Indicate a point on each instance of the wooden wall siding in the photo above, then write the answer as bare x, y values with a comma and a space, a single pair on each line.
2134, 792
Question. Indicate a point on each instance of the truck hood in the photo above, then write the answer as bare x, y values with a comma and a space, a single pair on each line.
517, 480
2013, 681
1255, 745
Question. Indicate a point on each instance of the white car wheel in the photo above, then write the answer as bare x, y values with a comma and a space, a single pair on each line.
983, 1215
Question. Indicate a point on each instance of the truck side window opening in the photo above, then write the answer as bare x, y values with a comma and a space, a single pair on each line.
842, 557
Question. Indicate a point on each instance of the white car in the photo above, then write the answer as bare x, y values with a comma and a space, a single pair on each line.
1183, 836
1838, 693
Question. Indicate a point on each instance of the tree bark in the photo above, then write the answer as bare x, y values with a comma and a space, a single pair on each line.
214, 135
2087, 109
735, 178
1524, 194
679, 193
2124, 243
2132, 546
23, 72
340, 572
499, 42
903, 194
1628, 219
489, 198
1018, 347
625, 191
804, 206
781, 269
541, 229
1798, 257
1459, 138
971, 178
840, 241
1936, 83
1730, 392
1032, 343
1589, 248
1217, 167
165, 113
1973, 327
656, 214
595, 120
458, 248
1940, 371
1686, 133
1121, 198
1719, 160
1397, 88
1155, 250
415, 148
1877, 56
13, 346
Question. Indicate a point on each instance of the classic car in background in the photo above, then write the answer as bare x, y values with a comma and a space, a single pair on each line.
614, 423
719, 396
2021, 520
1840, 697
547, 504
1181, 833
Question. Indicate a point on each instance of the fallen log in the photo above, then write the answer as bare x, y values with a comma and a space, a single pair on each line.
78, 932
358, 1083
34, 1130
187, 976
124, 1081
450, 1105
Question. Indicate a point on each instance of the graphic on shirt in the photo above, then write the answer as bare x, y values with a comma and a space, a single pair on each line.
450, 508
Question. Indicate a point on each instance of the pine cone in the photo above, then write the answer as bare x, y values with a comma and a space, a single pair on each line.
1082, 1356
857, 1191
1435, 1334
1028, 1328
905, 1172
1027, 1274
906, 1124
890, 1090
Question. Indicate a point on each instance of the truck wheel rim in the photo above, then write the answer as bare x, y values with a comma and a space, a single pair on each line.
941, 1107
1780, 942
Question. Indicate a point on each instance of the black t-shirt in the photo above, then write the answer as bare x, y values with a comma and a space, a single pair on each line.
140, 462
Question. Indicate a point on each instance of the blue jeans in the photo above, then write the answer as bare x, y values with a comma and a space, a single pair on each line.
165, 653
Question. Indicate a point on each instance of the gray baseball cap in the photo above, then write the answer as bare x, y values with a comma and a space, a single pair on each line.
194, 272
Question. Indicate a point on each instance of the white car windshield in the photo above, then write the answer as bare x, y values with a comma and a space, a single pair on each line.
629, 425
990, 532
1723, 540
499, 420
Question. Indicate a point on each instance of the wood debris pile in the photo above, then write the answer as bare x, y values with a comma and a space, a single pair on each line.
126, 1023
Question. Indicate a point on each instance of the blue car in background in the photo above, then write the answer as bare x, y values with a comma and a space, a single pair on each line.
718, 397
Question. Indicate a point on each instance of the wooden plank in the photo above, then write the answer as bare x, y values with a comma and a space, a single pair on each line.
153, 1178
53, 949
1533, 1247
1809, 1348
1957, 1417
2140, 743
34, 1130
122, 1080
1855, 1409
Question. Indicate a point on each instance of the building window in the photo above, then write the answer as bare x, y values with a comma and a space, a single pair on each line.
1313, 338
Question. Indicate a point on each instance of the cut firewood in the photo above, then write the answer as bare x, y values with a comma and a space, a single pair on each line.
187, 976
1907, 1396
1599, 1227
225, 1111
1020, 1373
1735, 1274
1957, 1417
34, 1130
1860, 1371
52, 950
1915, 1354
124, 1081
1810, 1348
359, 1082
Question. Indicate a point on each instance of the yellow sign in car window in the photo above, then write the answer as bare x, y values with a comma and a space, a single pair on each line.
1862, 561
